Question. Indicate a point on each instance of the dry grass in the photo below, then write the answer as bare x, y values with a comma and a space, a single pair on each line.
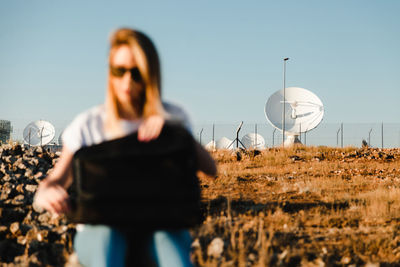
314, 206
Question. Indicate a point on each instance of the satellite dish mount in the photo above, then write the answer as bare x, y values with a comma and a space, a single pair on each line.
237, 137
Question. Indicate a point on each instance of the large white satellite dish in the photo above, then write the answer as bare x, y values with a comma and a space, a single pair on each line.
303, 111
39, 133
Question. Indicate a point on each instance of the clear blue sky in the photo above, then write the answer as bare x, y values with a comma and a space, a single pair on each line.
220, 59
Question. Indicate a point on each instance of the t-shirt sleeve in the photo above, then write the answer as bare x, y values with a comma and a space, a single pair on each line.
72, 137
177, 114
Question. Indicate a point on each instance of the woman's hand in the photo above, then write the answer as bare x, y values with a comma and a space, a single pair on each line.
150, 128
51, 194
52, 197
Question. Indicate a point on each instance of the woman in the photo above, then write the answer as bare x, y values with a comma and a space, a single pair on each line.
132, 104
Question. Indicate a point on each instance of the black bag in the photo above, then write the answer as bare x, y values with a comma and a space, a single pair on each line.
126, 183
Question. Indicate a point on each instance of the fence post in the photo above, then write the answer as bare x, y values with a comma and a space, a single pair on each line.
369, 137
305, 138
201, 132
273, 137
382, 134
399, 139
213, 134
300, 132
337, 137
256, 136
341, 133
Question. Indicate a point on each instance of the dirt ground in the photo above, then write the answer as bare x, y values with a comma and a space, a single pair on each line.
314, 206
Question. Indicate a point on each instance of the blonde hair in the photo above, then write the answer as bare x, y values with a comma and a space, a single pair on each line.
148, 64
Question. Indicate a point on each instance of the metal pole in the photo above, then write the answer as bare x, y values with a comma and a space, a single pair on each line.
341, 133
382, 135
369, 137
337, 137
284, 99
305, 138
273, 137
213, 134
300, 132
255, 146
237, 139
201, 132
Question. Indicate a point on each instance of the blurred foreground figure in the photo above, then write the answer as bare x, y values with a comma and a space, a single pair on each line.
132, 105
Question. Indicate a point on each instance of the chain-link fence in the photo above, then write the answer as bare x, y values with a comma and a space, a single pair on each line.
386, 135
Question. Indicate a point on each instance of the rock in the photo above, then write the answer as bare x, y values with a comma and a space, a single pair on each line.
19, 188
28, 173
61, 230
238, 156
9, 249
38, 150
18, 200
16, 150
255, 152
6, 191
345, 260
295, 158
196, 243
215, 248
21, 166
44, 218
10, 215
39, 237
21, 240
38, 175
46, 157
364, 143
14, 227
31, 188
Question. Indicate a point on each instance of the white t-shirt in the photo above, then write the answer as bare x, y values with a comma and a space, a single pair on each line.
88, 127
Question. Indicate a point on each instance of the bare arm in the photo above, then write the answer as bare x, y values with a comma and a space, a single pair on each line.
51, 193
150, 128
206, 163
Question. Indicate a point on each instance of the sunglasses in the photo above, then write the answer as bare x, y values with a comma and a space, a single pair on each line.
120, 71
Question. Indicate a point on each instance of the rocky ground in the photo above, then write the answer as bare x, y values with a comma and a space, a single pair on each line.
28, 237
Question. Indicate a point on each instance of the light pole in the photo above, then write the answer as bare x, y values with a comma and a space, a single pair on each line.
284, 96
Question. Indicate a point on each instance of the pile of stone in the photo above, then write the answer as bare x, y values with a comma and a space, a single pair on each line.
29, 237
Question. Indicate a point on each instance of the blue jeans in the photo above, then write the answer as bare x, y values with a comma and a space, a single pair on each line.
103, 246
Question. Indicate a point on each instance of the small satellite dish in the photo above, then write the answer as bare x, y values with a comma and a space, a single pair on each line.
224, 143
253, 141
211, 145
303, 111
39, 133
